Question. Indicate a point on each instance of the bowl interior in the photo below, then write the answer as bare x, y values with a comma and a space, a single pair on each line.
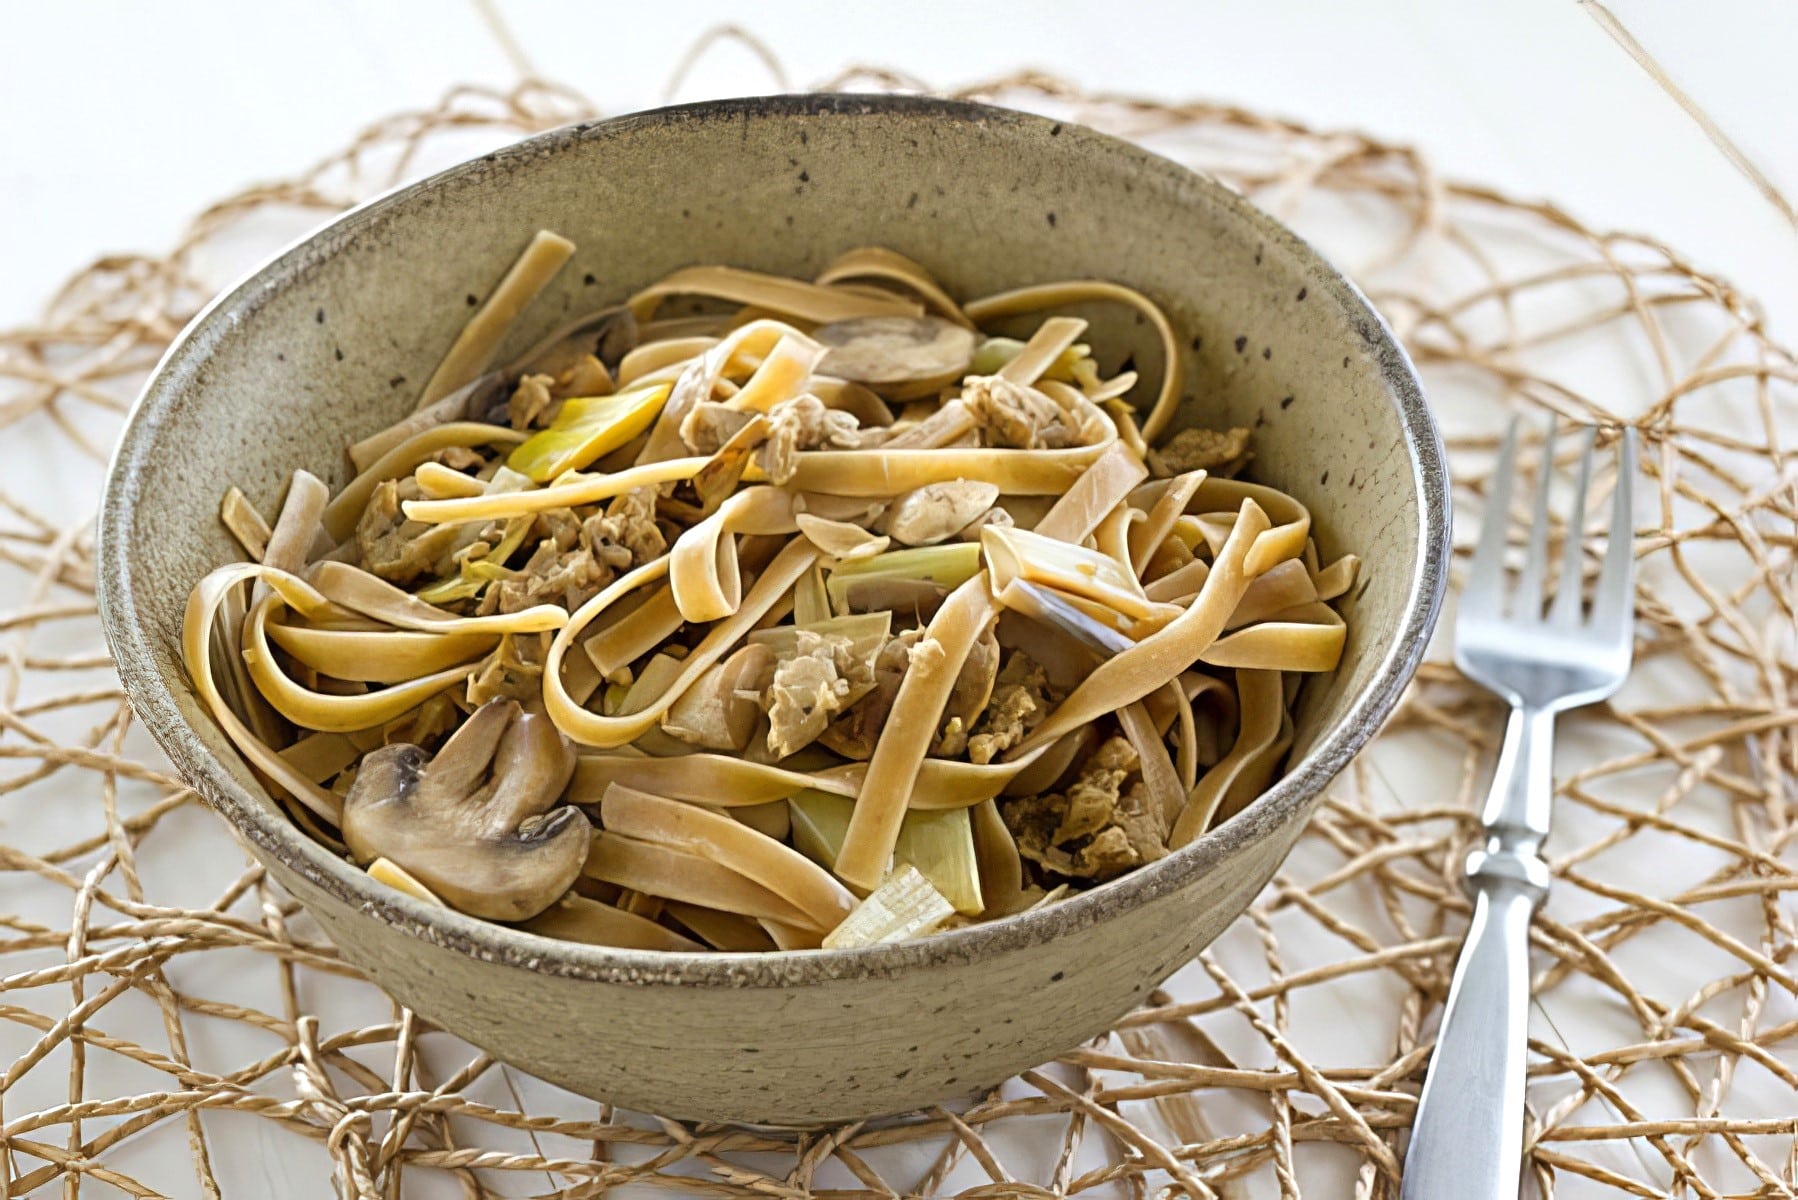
333, 340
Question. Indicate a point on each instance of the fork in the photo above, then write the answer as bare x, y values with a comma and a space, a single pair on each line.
1467, 1140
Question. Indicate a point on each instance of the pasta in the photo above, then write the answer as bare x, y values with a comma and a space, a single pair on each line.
809, 614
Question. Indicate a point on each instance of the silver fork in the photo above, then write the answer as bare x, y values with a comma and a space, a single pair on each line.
1467, 1140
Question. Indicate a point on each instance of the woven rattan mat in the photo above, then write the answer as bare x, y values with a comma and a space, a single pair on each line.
162, 1004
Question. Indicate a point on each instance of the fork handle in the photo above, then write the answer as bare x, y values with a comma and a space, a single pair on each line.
1467, 1139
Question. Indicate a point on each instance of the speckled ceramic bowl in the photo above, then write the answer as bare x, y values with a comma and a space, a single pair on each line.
331, 341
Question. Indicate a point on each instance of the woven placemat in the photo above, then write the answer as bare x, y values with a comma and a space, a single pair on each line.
1285, 1060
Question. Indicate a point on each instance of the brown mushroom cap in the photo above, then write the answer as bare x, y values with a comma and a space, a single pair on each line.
899, 357
476, 824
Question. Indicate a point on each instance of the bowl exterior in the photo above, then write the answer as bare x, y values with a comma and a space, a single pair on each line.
808, 1050
331, 341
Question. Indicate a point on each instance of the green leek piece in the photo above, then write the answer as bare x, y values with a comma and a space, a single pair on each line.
904, 906
939, 842
587, 428
810, 603
867, 633
451, 589
466, 584
474, 575
949, 565
1073, 365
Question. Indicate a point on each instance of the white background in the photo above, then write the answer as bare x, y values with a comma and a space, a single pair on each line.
119, 121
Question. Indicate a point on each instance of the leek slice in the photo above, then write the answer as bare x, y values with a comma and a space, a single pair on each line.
588, 428
939, 843
905, 906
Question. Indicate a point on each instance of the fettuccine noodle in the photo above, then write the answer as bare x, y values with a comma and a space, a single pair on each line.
753, 596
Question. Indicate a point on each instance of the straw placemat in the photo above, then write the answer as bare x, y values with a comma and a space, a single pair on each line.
159, 993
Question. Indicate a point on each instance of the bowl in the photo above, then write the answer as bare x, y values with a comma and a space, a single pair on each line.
331, 340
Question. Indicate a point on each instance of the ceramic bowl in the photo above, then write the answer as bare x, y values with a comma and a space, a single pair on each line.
331, 340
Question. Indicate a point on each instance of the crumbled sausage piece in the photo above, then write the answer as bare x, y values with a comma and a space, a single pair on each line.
530, 400
1098, 828
1012, 415
630, 523
1221, 453
459, 458
708, 425
550, 576
1019, 702
854, 733
575, 558
973, 688
514, 669
587, 377
398, 550
1094, 794
810, 688
802, 423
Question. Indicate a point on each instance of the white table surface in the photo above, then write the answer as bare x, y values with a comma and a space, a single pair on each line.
118, 121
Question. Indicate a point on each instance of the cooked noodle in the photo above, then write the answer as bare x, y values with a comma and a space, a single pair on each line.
583, 629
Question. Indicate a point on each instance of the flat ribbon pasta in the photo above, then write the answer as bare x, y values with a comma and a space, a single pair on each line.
761, 497
1243, 771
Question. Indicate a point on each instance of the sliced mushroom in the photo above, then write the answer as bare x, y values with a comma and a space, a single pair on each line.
720, 711
992, 516
476, 824
840, 540
935, 512
911, 600
899, 357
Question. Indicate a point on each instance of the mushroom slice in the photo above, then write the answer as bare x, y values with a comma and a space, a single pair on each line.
937, 511
899, 357
720, 711
477, 824
840, 540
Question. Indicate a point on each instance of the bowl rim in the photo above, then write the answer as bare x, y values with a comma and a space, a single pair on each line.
262, 822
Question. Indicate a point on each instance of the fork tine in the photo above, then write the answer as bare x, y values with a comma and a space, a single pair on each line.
1526, 602
1566, 607
1485, 574
1614, 600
